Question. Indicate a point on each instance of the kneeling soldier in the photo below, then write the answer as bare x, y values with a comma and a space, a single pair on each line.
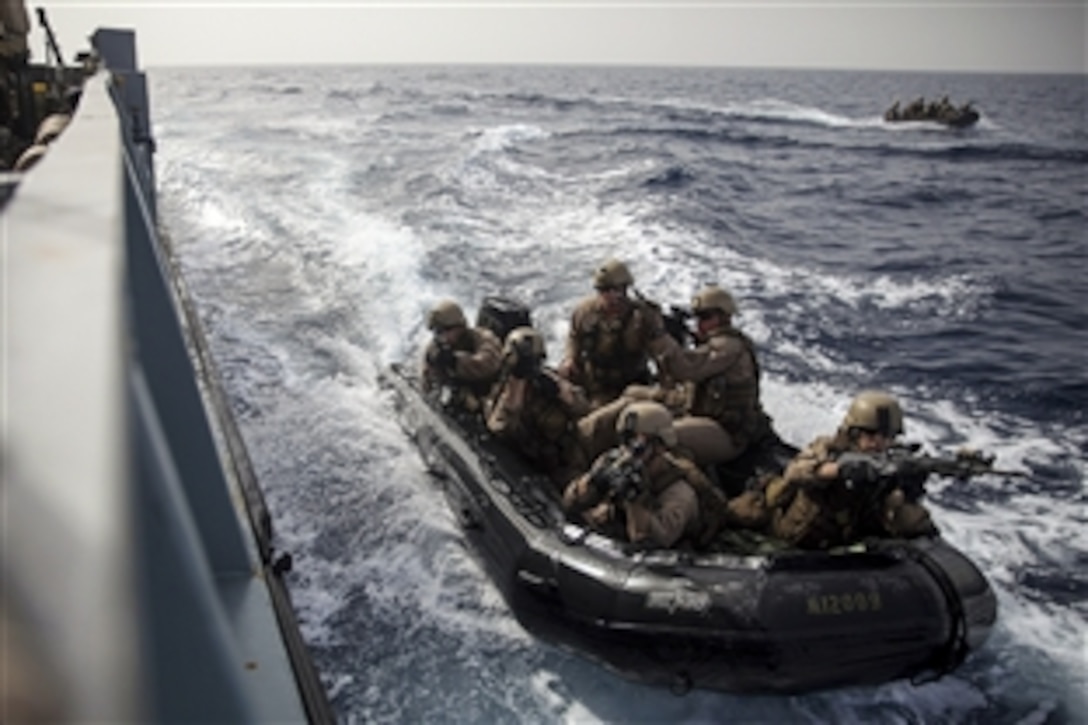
461, 363
535, 410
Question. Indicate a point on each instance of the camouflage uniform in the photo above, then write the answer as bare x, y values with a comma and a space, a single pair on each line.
538, 418
816, 513
715, 398
14, 53
14, 29
722, 413
468, 370
607, 352
677, 504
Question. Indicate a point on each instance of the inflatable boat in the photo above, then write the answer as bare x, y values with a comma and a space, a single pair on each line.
942, 113
745, 616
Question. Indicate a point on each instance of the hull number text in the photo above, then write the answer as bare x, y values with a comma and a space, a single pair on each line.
678, 601
846, 603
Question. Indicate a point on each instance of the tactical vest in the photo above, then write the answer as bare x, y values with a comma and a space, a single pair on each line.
465, 394
712, 503
546, 435
815, 517
613, 351
733, 404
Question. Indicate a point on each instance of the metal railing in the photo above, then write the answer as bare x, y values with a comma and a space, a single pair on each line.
139, 575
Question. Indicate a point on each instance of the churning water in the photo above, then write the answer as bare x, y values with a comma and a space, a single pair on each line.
317, 214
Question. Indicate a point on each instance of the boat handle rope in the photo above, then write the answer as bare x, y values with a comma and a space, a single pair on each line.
955, 650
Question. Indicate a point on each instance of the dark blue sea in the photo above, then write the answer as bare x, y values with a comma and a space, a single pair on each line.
317, 213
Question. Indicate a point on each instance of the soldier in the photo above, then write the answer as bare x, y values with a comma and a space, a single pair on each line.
640, 492
14, 28
716, 400
461, 362
535, 410
610, 335
916, 110
819, 503
14, 54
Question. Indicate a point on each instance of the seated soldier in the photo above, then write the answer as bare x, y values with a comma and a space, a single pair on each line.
716, 398
461, 363
535, 410
639, 492
818, 503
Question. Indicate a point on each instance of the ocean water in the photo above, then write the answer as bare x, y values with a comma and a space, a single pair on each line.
317, 214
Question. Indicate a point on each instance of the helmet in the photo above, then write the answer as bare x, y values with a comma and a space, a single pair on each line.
613, 273
875, 410
522, 341
446, 314
713, 297
649, 418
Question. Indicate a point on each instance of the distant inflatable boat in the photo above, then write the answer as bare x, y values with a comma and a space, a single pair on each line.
941, 112
742, 617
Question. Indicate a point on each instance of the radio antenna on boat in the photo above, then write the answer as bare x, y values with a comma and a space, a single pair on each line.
50, 39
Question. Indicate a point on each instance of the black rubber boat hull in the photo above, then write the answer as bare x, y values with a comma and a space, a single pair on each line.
961, 120
786, 623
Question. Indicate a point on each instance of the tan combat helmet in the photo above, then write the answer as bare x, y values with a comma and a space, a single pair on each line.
522, 341
649, 418
613, 273
446, 314
713, 297
875, 410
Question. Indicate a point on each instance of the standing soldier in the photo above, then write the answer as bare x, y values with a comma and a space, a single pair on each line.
610, 334
460, 362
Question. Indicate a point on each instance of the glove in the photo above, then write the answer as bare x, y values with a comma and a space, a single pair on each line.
546, 386
445, 359
858, 470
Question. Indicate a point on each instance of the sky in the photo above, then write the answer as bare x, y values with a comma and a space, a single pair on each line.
937, 35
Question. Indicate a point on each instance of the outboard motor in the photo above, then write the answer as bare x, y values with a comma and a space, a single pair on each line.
501, 315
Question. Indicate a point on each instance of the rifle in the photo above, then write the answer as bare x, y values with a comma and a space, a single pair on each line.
903, 466
443, 360
676, 320
522, 363
620, 476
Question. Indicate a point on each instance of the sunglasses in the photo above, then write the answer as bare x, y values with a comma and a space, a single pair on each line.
609, 288
705, 314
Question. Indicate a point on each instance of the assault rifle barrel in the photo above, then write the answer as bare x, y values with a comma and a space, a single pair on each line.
905, 460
